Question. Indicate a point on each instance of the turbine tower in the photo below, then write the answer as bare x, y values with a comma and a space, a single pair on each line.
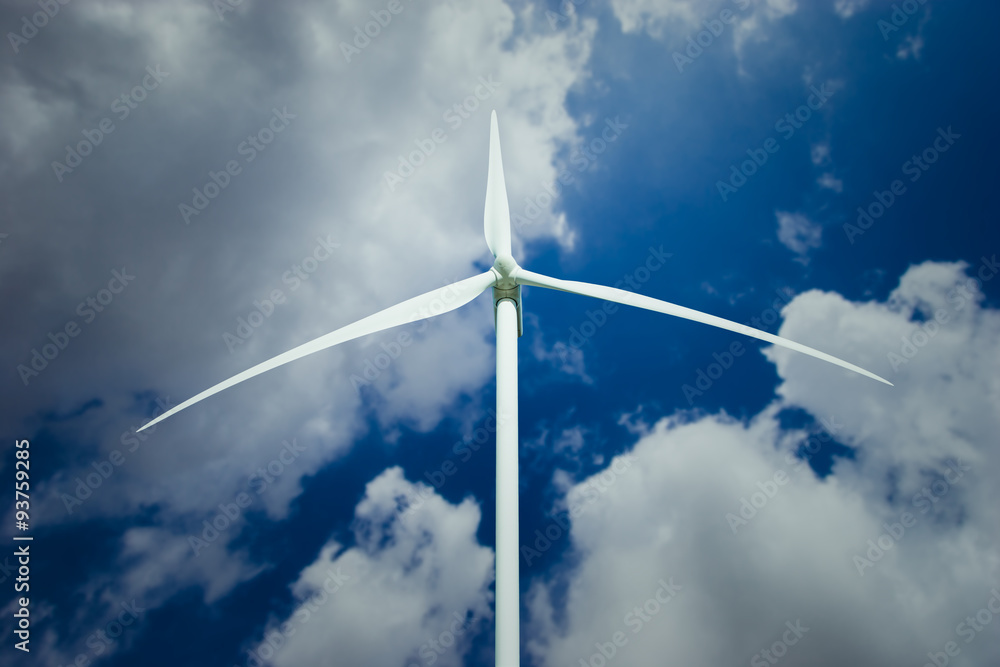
506, 278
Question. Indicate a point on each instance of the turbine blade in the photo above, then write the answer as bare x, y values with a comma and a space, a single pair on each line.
631, 299
421, 307
496, 219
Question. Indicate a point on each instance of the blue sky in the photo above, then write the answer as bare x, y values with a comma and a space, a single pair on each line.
224, 181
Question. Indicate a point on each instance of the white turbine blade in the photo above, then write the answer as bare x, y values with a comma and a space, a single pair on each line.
631, 299
496, 219
421, 307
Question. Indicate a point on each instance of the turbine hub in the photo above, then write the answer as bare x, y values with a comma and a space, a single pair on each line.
506, 267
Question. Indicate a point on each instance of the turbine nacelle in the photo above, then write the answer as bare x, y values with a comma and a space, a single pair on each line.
506, 268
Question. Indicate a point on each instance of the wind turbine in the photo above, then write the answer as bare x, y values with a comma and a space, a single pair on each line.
506, 278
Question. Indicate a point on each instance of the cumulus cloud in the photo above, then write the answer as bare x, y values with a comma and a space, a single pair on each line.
769, 556
910, 43
820, 153
933, 339
636, 15
910, 47
414, 589
674, 20
567, 358
798, 233
848, 8
830, 182
690, 28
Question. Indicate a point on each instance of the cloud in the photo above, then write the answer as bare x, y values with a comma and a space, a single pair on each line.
820, 156
566, 358
675, 20
847, 8
798, 233
932, 338
649, 15
413, 589
830, 182
690, 28
912, 44
820, 153
760, 544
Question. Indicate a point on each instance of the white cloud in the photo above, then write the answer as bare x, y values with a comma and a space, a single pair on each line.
820, 153
562, 355
795, 558
912, 45
410, 591
571, 439
675, 20
798, 233
830, 182
941, 404
678, 24
651, 15
848, 8
780, 8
